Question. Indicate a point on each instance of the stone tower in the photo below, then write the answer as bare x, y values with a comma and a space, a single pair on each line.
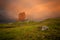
21, 16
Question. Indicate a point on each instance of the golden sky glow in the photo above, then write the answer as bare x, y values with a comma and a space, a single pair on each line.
34, 9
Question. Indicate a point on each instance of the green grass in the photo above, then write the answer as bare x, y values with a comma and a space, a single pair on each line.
31, 30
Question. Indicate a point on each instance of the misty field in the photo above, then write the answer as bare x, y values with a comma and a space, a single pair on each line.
45, 30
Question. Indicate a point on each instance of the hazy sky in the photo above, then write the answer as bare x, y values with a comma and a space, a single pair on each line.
34, 9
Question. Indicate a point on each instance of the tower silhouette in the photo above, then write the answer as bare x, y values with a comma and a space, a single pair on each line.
21, 16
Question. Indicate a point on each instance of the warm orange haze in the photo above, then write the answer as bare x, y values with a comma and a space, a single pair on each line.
34, 9
29, 19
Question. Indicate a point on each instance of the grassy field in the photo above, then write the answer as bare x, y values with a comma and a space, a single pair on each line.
45, 30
